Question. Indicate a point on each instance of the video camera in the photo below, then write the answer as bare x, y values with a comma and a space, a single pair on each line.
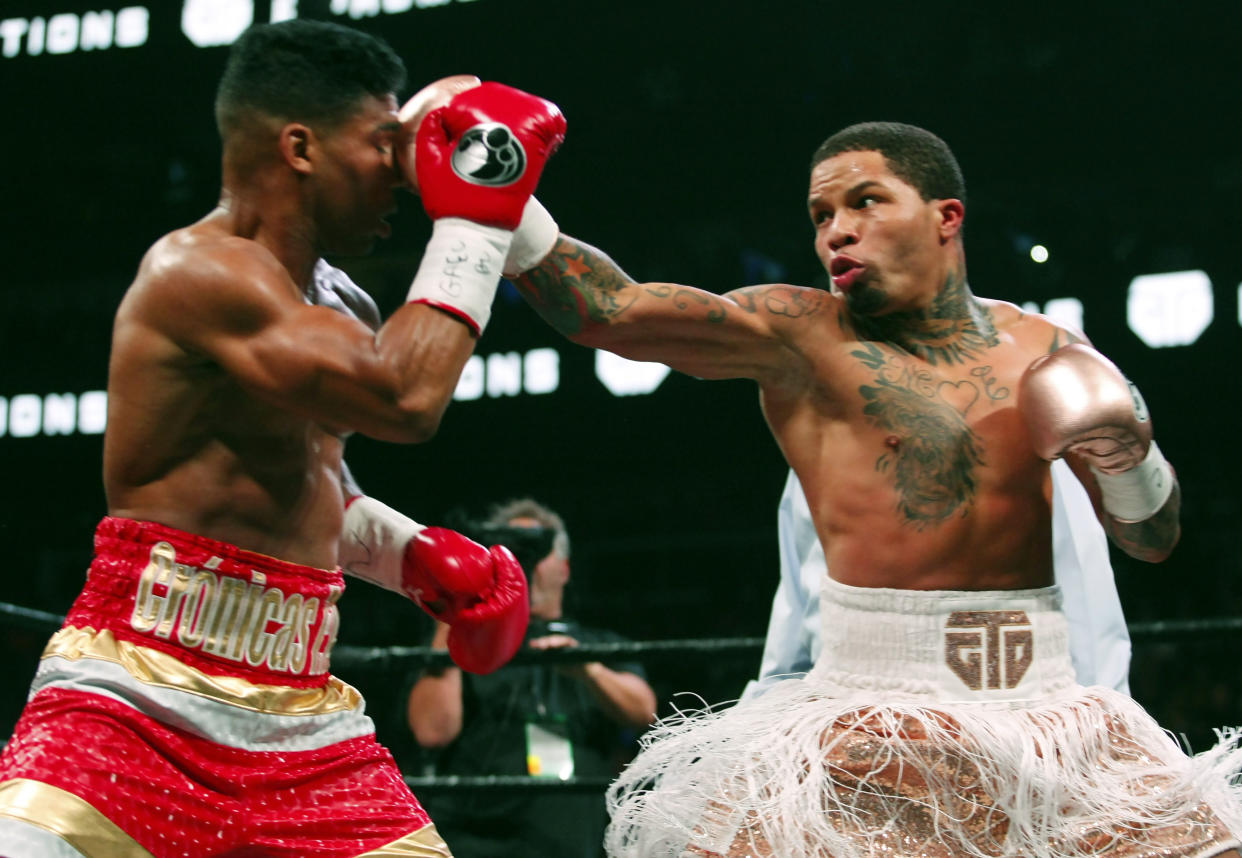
528, 544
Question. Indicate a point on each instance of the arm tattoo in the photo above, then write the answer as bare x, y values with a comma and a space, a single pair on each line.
1150, 540
793, 303
576, 285
683, 298
1058, 342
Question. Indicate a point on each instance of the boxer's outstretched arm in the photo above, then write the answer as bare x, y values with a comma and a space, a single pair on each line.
745, 333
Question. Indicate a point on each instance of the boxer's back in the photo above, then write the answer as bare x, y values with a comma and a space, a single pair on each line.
188, 445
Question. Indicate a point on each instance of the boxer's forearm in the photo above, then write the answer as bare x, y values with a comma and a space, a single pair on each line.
1154, 538
576, 286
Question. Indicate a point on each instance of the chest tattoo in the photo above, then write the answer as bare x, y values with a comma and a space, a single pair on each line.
935, 454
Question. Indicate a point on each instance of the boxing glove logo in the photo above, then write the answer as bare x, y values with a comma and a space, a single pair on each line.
489, 154
1141, 414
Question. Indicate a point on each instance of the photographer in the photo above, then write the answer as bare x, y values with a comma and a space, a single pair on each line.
560, 721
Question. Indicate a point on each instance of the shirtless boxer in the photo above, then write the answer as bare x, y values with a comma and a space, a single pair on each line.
186, 708
1099, 641
943, 718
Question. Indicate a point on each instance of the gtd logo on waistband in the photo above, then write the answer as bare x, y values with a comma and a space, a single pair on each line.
989, 650
489, 154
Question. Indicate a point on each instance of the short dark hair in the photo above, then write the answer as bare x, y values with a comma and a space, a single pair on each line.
913, 154
306, 71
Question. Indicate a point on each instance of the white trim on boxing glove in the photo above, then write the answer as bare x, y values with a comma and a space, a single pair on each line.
1139, 493
373, 541
533, 239
461, 268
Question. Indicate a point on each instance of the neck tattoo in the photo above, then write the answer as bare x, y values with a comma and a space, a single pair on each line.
956, 328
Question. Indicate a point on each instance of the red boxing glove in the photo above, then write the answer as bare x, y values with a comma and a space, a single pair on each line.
480, 156
479, 592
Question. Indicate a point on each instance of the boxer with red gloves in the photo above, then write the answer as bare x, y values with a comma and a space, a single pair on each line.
480, 593
191, 686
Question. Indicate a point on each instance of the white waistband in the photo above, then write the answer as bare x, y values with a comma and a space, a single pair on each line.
950, 645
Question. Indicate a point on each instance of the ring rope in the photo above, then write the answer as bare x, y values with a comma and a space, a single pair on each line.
396, 657
504, 782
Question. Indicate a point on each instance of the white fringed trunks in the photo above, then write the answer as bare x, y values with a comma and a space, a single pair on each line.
935, 724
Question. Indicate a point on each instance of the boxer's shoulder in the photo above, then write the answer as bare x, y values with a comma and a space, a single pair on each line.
1032, 331
195, 267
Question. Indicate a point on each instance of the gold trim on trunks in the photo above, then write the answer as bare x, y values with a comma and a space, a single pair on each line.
160, 669
424, 843
70, 818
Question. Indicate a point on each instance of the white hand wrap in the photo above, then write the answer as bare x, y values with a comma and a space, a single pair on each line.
534, 239
373, 542
461, 269
1139, 493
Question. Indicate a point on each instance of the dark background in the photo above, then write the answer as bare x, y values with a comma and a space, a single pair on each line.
1106, 131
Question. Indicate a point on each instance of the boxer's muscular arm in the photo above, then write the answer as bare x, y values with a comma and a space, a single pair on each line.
1152, 540
588, 298
229, 302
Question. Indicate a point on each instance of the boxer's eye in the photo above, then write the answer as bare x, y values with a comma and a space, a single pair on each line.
383, 143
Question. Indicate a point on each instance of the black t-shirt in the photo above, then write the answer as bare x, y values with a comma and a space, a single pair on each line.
497, 709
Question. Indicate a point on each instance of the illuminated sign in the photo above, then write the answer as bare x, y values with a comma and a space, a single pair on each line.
1066, 311
29, 414
499, 375
67, 32
370, 8
509, 374
205, 23
625, 377
1171, 309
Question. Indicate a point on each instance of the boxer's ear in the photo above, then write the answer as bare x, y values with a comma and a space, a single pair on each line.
952, 215
296, 143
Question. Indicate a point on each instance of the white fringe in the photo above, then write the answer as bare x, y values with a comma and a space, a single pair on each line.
1083, 761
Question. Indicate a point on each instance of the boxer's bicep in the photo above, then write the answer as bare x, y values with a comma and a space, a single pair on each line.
312, 361
394, 385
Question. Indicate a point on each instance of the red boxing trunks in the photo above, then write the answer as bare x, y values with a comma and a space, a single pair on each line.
186, 709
